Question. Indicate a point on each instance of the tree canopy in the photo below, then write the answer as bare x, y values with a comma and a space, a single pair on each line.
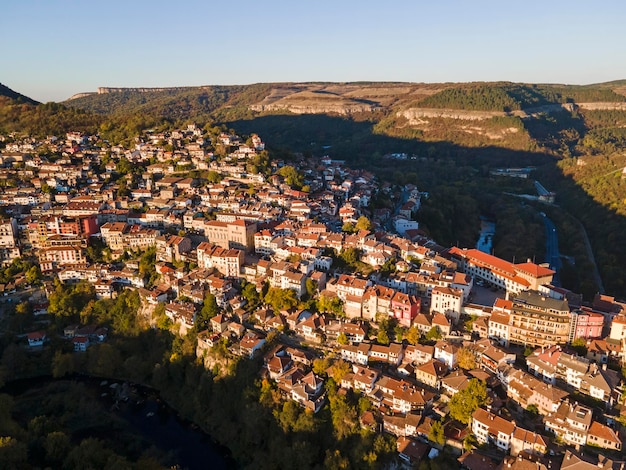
464, 403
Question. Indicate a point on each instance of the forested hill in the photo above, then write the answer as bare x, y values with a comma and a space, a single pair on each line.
21, 114
339, 98
6, 92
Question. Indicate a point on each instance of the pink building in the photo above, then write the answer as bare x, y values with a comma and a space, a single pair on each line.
586, 324
405, 308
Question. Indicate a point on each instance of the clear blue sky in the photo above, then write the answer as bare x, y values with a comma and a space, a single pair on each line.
52, 49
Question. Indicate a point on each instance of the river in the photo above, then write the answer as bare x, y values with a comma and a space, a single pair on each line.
149, 417
485, 239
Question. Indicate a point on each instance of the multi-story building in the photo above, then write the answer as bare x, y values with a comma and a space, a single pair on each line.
514, 278
120, 236
238, 234
570, 422
586, 325
448, 301
492, 429
54, 257
226, 261
536, 320
172, 247
498, 325
8, 245
49, 225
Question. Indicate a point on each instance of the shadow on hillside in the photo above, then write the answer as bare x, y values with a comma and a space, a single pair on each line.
446, 163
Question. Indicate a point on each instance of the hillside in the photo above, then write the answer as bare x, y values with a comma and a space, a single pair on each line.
470, 114
573, 135
6, 92
21, 114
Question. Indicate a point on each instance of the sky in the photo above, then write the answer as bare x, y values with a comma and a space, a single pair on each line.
52, 49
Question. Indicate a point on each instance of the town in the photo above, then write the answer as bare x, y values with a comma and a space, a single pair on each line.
323, 272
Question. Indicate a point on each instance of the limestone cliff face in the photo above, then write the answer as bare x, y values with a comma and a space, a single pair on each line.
102, 90
415, 115
80, 95
603, 106
343, 109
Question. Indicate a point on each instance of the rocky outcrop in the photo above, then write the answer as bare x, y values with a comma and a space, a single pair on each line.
415, 115
602, 106
102, 90
81, 95
343, 109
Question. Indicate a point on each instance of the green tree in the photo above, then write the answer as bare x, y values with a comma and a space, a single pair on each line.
469, 442
436, 433
383, 337
124, 166
348, 227
350, 255
342, 338
281, 299
33, 275
292, 176
56, 445
363, 223
464, 403
209, 310
433, 334
311, 287
580, 346
250, 293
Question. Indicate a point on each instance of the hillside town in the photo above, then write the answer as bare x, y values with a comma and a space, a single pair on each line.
323, 272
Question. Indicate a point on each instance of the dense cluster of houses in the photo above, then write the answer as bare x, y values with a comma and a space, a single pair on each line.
211, 236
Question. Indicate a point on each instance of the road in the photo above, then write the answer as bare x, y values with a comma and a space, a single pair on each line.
553, 257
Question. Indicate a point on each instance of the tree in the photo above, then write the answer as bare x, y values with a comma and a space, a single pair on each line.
62, 364
56, 445
399, 333
292, 177
413, 335
383, 337
281, 299
311, 287
330, 304
533, 409
433, 334
464, 403
348, 227
209, 310
320, 366
436, 433
250, 293
363, 223
580, 346
339, 370
350, 255
466, 359
33, 275
469, 442
342, 338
